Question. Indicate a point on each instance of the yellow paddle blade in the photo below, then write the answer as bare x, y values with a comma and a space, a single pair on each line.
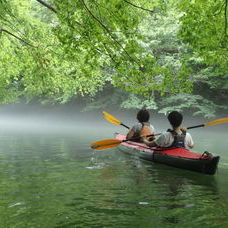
111, 118
218, 121
105, 144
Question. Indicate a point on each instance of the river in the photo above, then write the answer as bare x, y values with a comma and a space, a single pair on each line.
51, 178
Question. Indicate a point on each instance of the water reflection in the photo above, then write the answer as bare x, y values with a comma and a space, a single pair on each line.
172, 191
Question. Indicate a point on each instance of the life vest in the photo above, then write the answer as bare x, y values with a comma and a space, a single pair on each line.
145, 130
179, 139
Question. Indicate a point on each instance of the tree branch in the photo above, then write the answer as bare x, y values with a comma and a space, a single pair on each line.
107, 30
52, 8
216, 14
139, 7
47, 5
109, 55
225, 17
17, 37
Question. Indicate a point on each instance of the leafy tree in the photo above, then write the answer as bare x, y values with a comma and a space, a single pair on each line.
37, 61
209, 83
61, 49
58, 50
204, 28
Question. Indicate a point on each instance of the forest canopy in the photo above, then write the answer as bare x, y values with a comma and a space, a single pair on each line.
129, 53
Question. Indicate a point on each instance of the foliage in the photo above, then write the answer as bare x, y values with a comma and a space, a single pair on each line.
134, 101
109, 97
118, 52
204, 28
42, 67
110, 31
208, 83
63, 49
189, 103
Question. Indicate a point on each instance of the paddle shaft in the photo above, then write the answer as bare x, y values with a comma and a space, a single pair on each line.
132, 139
125, 126
201, 125
113, 120
196, 126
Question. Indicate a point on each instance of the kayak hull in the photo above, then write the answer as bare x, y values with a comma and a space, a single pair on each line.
176, 157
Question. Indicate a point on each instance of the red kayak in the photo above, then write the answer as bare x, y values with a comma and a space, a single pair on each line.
177, 157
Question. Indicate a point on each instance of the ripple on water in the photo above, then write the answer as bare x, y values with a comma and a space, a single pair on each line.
96, 166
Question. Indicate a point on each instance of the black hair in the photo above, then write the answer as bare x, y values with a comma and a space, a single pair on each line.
143, 115
175, 118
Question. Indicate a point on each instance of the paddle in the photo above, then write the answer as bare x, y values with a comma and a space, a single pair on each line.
214, 122
109, 143
113, 120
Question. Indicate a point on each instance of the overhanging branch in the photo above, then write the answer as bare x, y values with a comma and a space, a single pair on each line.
225, 17
107, 30
17, 37
47, 5
51, 8
139, 7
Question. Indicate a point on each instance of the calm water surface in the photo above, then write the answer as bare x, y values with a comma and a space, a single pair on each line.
55, 180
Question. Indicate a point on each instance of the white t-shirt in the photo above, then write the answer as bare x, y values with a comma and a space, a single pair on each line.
138, 127
166, 139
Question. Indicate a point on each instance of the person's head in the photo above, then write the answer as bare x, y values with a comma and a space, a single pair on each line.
175, 118
143, 115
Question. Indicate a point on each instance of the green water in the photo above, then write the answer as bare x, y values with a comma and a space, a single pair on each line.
55, 180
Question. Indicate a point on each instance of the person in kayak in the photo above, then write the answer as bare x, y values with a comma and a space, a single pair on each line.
177, 137
142, 127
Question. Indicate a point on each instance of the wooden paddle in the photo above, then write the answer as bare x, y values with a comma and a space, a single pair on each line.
113, 120
109, 143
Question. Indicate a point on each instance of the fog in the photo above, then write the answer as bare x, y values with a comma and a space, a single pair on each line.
60, 119
44, 119
64, 122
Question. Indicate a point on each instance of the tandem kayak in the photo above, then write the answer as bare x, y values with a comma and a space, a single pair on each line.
178, 157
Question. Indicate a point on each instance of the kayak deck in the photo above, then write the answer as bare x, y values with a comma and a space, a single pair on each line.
177, 157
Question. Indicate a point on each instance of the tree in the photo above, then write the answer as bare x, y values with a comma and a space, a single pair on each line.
209, 85
60, 49
57, 50
204, 29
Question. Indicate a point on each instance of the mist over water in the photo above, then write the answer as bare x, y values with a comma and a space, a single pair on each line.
91, 126
43, 119
70, 118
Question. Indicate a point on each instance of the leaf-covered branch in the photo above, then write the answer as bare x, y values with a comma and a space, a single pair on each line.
17, 37
139, 7
47, 5
107, 30
225, 17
